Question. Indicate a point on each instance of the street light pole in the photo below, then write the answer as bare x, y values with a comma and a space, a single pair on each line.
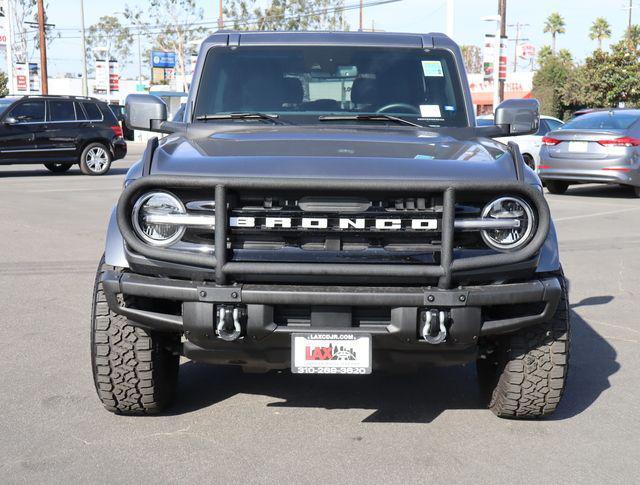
43, 48
85, 79
9, 17
450, 17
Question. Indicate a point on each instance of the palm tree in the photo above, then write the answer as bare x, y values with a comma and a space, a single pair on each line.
554, 25
600, 30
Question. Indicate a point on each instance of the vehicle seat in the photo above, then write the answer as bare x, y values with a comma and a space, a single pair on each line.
293, 92
364, 94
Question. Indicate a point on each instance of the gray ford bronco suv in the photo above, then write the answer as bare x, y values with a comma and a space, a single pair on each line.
328, 205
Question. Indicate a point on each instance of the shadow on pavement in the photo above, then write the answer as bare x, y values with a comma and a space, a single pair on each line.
600, 190
419, 397
593, 301
43, 172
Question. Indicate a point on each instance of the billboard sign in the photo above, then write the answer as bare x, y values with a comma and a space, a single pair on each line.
163, 59
4, 21
114, 77
489, 55
22, 77
34, 77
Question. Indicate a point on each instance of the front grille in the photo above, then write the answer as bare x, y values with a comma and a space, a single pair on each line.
363, 248
350, 233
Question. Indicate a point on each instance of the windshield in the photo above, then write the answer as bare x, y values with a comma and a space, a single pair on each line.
606, 120
301, 83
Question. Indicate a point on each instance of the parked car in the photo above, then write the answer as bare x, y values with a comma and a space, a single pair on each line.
529, 144
602, 147
60, 131
328, 206
118, 111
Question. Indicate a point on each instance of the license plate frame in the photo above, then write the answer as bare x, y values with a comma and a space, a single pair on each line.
314, 353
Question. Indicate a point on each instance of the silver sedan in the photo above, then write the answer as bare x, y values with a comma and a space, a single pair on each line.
601, 147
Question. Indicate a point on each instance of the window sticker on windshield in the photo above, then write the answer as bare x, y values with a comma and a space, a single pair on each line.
430, 111
432, 68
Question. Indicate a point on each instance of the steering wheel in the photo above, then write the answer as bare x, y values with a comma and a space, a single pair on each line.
395, 106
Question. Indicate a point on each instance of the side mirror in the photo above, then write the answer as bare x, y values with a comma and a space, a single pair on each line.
145, 112
518, 117
10, 120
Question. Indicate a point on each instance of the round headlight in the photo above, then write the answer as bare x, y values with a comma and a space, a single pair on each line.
508, 209
148, 220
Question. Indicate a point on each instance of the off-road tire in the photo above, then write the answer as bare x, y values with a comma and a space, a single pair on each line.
556, 187
58, 167
526, 374
134, 370
85, 164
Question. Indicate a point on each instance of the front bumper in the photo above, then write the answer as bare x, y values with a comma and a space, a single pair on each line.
475, 311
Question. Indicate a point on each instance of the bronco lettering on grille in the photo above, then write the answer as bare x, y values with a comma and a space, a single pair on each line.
338, 224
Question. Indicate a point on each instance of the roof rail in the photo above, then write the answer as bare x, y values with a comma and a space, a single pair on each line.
61, 96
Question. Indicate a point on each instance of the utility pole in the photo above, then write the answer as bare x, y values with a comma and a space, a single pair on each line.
361, 14
43, 48
85, 79
630, 10
516, 42
220, 17
502, 13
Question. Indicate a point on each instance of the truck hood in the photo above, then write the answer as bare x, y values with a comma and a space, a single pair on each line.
319, 152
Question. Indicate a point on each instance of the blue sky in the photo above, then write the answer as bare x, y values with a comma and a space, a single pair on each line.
405, 16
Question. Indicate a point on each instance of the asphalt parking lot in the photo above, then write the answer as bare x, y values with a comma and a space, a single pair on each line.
278, 428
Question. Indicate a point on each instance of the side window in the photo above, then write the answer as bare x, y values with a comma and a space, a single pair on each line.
93, 112
29, 112
79, 112
61, 110
553, 124
543, 129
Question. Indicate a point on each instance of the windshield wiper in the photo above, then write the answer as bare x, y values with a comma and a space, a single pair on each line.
371, 117
241, 116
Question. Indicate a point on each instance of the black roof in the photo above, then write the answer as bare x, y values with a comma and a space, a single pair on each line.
375, 39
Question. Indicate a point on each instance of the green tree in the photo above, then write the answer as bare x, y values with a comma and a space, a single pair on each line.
600, 30
549, 81
554, 25
4, 90
171, 26
287, 15
472, 57
607, 79
109, 34
632, 36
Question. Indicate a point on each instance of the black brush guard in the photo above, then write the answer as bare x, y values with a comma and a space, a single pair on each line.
224, 269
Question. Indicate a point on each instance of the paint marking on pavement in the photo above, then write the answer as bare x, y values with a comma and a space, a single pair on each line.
595, 214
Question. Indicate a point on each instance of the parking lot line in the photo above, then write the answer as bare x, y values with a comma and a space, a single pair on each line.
596, 214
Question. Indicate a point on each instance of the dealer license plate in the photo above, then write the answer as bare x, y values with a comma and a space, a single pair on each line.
578, 146
330, 353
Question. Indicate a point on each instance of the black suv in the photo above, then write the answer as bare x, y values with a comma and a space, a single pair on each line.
60, 131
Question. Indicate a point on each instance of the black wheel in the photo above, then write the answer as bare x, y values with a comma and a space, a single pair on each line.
95, 159
529, 162
637, 191
525, 374
58, 167
134, 371
556, 187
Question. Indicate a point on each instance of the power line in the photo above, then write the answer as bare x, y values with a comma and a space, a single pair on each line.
254, 20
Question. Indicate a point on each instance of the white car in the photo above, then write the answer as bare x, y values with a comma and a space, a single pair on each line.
529, 144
